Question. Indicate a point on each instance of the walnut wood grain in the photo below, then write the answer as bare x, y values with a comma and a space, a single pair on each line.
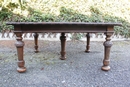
62, 27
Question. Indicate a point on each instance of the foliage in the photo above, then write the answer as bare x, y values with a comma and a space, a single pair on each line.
67, 11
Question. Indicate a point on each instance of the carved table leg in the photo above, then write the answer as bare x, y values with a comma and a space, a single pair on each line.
19, 44
36, 42
107, 44
63, 42
88, 43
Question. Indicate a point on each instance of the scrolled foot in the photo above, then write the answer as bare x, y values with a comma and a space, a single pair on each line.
21, 70
105, 68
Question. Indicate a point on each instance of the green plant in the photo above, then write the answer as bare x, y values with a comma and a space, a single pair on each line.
77, 36
68, 11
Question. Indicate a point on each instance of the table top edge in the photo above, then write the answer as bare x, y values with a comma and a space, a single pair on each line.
64, 23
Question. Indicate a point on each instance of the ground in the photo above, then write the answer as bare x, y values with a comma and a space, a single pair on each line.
80, 69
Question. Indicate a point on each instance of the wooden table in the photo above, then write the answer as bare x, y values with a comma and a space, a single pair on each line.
62, 27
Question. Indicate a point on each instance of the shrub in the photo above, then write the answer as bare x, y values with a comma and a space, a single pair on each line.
68, 11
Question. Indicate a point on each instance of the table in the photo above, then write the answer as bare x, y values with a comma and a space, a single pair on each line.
62, 27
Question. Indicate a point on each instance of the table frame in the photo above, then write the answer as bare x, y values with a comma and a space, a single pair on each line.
62, 27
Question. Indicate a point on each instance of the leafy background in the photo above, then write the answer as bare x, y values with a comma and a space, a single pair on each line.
66, 11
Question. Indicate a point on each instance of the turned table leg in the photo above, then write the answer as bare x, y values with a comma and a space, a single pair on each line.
107, 44
36, 42
19, 45
88, 43
63, 42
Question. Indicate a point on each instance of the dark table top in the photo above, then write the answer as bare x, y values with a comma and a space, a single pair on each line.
65, 23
